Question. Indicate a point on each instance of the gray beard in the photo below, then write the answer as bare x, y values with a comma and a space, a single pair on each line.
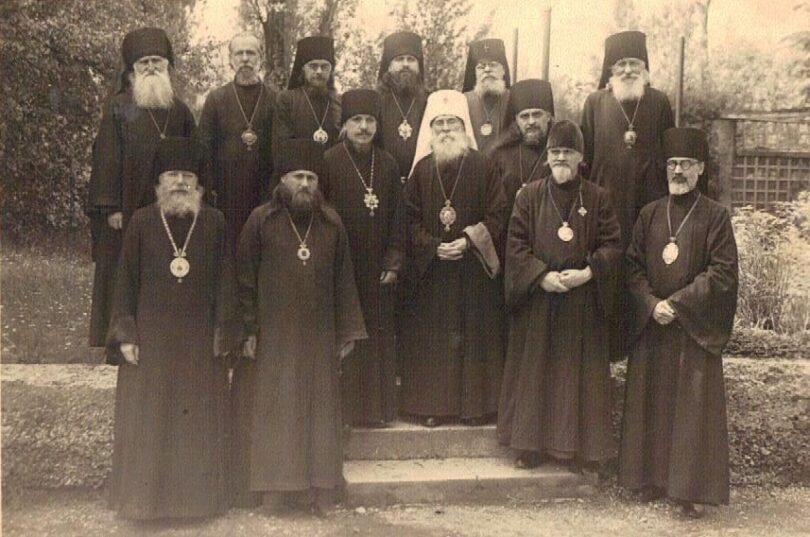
490, 87
178, 203
447, 151
246, 77
562, 174
680, 188
625, 91
152, 91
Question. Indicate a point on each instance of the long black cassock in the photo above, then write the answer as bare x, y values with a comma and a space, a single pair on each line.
122, 180
170, 409
303, 315
237, 175
632, 176
375, 241
452, 327
295, 119
556, 387
674, 433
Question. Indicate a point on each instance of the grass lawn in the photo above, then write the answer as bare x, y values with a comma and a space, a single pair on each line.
45, 308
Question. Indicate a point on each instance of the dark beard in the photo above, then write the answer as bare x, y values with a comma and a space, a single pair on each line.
405, 86
295, 204
317, 92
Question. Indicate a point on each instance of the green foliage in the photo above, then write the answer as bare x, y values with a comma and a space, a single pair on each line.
59, 60
773, 268
801, 41
740, 78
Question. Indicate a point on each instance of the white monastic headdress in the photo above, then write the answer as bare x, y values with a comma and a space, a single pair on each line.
442, 103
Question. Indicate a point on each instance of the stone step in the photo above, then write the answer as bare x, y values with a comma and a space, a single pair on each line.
410, 441
457, 480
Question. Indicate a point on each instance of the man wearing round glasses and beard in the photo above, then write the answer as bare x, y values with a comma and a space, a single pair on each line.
683, 279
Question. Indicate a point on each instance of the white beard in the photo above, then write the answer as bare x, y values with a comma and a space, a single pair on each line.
562, 174
679, 188
629, 90
490, 87
179, 203
152, 91
448, 150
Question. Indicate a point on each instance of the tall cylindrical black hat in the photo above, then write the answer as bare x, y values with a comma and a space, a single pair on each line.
530, 93
566, 133
485, 50
299, 154
175, 153
359, 101
145, 42
308, 49
630, 44
398, 44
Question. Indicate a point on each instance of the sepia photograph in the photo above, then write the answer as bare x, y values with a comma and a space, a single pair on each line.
404, 268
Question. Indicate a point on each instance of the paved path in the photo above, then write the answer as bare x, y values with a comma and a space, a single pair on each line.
753, 512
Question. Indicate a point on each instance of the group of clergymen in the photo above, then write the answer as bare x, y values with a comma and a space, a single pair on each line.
444, 257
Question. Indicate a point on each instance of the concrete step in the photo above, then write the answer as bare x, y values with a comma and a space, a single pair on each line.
457, 480
410, 441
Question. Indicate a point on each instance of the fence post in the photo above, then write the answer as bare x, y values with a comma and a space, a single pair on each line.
724, 136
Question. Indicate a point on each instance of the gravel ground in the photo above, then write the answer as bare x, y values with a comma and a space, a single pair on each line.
753, 512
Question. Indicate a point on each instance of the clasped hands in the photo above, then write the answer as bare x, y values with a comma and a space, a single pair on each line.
565, 280
452, 251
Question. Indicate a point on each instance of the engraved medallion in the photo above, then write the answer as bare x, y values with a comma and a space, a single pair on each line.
371, 200
565, 233
405, 130
179, 267
670, 253
303, 253
630, 138
249, 138
486, 129
320, 136
447, 215
582, 211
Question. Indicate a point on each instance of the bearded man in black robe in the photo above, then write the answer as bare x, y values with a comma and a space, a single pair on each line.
486, 87
400, 84
518, 155
623, 123
361, 183
452, 328
310, 106
170, 325
301, 316
141, 110
563, 256
235, 129
683, 279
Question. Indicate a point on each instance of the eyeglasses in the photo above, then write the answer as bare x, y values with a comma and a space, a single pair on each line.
491, 65
685, 165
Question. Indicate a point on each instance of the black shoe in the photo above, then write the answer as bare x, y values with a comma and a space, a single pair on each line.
651, 494
691, 510
527, 460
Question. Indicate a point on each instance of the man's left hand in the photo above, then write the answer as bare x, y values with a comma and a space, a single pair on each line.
574, 278
388, 277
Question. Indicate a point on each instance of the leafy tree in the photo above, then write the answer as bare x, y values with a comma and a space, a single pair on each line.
445, 36
801, 41
58, 61
284, 22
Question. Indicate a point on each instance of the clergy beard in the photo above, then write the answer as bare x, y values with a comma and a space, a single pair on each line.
630, 89
303, 200
317, 91
490, 86
152, 90
403, 82
562, 173
178, 202
246, 76
679, 185
449, 146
